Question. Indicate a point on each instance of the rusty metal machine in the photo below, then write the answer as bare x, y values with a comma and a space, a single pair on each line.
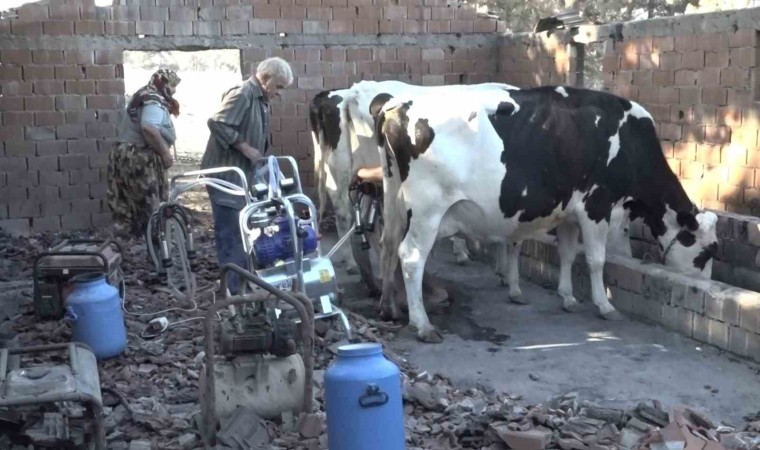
256, 363
62, 400
55, 267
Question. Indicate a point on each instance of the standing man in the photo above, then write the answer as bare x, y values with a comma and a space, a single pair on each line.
240, 138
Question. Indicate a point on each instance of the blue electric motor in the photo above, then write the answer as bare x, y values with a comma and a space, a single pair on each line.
279, 246
363, 400
94, 309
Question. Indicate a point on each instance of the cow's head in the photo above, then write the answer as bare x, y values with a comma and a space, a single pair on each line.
694, 244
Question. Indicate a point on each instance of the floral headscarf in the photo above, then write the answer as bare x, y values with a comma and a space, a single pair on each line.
156, 90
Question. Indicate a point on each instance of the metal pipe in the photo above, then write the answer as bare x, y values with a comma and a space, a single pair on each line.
307, 336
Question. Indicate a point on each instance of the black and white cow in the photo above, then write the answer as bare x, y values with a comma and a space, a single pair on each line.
342, 128
501, 166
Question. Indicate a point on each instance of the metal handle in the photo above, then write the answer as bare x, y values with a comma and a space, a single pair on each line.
71, 316
373, 397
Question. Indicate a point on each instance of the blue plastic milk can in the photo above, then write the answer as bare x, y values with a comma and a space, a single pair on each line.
94, 309
363, 400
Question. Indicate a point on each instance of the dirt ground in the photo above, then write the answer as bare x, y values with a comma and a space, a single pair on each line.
538, 351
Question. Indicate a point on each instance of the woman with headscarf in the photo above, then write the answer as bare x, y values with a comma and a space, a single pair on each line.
140, 157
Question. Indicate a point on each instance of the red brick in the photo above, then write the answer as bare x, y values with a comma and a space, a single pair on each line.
149, 28
49, 118
85, 27
18, 118
318, 13
105, 87
663, 44
695, 133
102, 101
689, 96
16, 56
268, 26
266, 11
79, 56
714, 96
439, 26
391, 26
642, 78
685, 42
58, 28
670, 61
26, 28
101, 130
51, 148
70, 102
485, 26
708, 77
442, 14
362, 26
182, 14
232, 27
743, 57
462, 26
693, 59
288, 26
79, 117
38, 73
16, 87
663, 78
717, 59
729, 116
717, 134
100, 72
39, 103
48, 87
80, 87
76, 131
742, 38
668, 96
341, 26
709, 153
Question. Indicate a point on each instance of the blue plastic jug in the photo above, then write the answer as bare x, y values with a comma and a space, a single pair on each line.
94, 309
363, 400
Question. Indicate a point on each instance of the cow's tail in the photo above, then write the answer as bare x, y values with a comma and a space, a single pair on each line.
318, 139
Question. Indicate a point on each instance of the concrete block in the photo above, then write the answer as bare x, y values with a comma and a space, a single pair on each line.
737, 341
695, 300
753, 233
718, 334
685, 322
670, 317
15, 227
753, 346
701, 328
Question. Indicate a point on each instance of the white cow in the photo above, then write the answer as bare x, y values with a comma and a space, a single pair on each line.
502, 166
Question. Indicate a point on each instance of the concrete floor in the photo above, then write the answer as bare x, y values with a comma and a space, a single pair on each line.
537, 351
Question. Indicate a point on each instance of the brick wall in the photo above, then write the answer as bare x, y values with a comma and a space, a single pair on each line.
529, 60
60, 107
699, 89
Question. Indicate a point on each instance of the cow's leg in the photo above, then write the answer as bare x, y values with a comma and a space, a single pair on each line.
512, 251
594, 241
502, 263
460, 250
392, 278
567, 243
413, 253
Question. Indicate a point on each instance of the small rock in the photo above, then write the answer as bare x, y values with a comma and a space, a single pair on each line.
146, 369
533, 377
309, 425
140, 445
188, 440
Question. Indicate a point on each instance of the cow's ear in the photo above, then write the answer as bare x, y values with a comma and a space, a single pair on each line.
377, 104
687, 219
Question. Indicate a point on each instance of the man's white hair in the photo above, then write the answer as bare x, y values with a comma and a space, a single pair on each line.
276, 68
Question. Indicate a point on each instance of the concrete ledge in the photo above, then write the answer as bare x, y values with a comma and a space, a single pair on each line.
708, 311
738, 260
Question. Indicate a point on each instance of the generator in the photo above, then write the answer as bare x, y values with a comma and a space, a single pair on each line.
54, 268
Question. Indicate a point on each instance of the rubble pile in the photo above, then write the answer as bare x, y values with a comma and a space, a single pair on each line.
150, 392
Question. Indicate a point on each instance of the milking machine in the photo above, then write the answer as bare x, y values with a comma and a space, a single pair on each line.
290, 284
366, 198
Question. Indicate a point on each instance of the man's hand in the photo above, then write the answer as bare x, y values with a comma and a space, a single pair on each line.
166, 158
249, 152
372, 174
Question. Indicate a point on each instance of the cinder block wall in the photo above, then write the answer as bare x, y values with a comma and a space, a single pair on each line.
63, 88
529, 60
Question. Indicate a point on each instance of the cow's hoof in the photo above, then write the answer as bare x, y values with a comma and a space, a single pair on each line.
462, 260
430, 336
353, 270
519, 299
571, 306
614, 316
